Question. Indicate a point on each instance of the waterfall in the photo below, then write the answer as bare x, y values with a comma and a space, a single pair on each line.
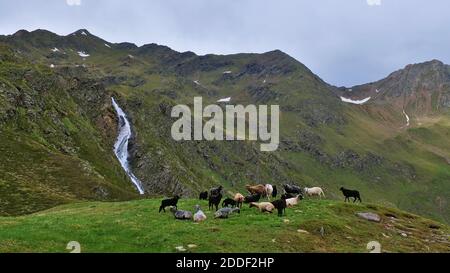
121, 145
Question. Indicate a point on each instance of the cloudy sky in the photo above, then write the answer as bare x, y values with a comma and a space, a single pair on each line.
346, 42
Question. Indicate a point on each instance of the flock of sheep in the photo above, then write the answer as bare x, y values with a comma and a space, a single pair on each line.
291, 197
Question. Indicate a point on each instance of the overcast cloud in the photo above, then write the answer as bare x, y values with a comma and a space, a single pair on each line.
346, 42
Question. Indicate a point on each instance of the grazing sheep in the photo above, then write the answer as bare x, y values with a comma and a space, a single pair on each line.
293, 189
228, 202
280, 205
225, 212
252, 198
275, 191
287, 195
181, 214
203, 195
169, 202
257, 189
293, 201
350, 193
199, 215
268, 190
317, 191
215, 195
239, 199
263, 206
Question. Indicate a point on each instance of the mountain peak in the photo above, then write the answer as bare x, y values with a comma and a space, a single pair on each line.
82, 31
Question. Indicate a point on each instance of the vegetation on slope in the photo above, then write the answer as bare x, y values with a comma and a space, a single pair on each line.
136, 226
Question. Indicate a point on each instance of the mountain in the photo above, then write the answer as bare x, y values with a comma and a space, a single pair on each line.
324, 140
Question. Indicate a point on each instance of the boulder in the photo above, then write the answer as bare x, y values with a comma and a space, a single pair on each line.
373, 217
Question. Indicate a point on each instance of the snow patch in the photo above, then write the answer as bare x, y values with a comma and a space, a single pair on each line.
355, 101
83, 33
83, 54
197, 82
52, 66
107, 45
227, 72
225, 100
55, 49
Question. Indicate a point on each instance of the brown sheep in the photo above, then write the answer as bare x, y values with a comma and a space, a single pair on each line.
263, 206
257, 189
239, 199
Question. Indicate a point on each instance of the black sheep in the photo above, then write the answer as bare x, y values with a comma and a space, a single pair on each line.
274, 192
293, 189
169, 202
252, 198
203, 195
228, 202
288, 195
350, 193
280, 205
216, 191
214, 200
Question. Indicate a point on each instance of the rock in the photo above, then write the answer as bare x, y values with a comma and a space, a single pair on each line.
373, 217
404, 234
180, 248
191, 246
302, 231
286, 221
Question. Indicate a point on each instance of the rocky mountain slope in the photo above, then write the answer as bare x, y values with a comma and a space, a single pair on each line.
324, 141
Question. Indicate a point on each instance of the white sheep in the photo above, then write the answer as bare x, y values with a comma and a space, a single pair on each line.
269, 190
263, 206
199, 215
293, 201
317, 191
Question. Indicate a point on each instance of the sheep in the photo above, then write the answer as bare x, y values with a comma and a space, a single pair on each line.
225, 212
350, 193
268, 190
314, 191
216, 191
203, 195
239, 199
293, 201
215, 195
257, 189
280, 205
293, 189
199, 215
228, 202
263, 206
252, 198
169, 202
275, 191
287, 195
181, 214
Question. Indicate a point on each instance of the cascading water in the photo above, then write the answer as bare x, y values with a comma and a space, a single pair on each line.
121, 145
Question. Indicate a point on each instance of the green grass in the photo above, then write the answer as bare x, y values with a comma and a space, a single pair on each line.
136, 226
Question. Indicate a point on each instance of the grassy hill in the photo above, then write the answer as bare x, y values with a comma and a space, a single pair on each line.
136, 226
